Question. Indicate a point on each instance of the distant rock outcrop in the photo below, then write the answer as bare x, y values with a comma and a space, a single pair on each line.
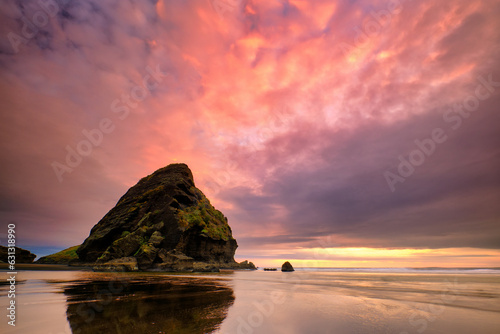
162, 223
287, 266
22, 255
246, 265
63, 257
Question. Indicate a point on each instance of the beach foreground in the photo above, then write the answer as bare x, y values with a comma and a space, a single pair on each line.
305, 301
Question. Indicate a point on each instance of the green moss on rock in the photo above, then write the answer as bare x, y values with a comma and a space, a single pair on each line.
63, 257
210, 221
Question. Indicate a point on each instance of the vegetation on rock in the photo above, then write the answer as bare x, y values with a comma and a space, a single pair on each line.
63, 257
204, 216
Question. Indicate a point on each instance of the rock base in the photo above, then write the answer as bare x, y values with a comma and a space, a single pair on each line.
171, 261
121, 264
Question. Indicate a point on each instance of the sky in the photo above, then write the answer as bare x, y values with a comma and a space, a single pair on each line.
330, 133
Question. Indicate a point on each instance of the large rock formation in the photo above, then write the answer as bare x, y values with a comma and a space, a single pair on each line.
22, 255
162, 223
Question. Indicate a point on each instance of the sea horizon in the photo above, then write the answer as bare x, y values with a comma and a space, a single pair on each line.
403, 269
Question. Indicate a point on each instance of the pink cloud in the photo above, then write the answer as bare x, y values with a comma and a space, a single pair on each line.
282, 127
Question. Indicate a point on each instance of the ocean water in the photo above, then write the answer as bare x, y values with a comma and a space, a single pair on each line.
309, 300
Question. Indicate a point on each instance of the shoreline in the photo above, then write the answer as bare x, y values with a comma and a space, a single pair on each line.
65, 267
39, 266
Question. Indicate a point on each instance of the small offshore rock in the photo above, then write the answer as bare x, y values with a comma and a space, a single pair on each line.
287, 266
247, 265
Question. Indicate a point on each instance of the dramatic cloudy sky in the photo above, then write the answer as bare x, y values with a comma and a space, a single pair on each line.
293, 115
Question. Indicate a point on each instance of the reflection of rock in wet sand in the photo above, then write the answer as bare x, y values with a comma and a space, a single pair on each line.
170, 305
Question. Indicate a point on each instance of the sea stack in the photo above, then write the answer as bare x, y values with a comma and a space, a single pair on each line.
162, 223
287, 266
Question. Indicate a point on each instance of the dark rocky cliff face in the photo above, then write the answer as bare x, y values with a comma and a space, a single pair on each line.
163, 222
22, 255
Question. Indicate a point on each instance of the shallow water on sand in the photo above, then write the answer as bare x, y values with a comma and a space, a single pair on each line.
244, 302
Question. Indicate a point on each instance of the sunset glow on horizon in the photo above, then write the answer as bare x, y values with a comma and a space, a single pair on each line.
335, 133
381, 258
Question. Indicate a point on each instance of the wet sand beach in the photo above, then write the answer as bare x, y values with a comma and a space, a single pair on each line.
305, 301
